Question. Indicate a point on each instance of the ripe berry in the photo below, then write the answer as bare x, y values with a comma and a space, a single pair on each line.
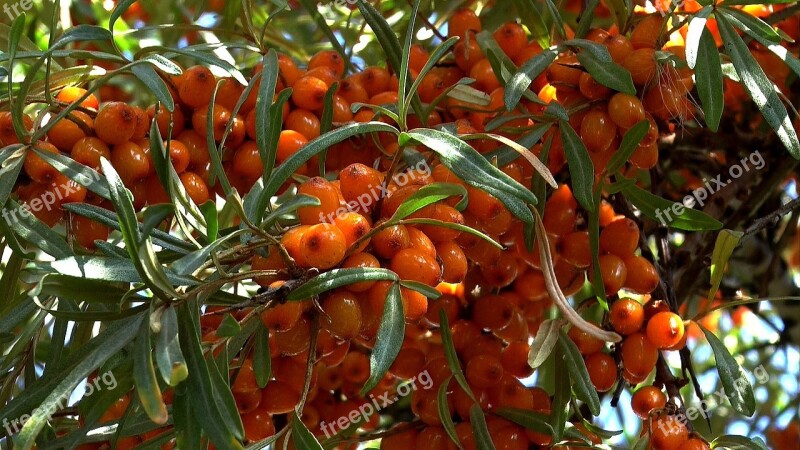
694, 444
197, 85
328, 58
258, 424
484, 371
342, 316
668, 433
665, 329
390, 240
328, 197
361, 260
86, 231
289, 143
115, 123
641, 63
463, 21
66, 132
639, 355
295, 340
586, 343
309, 93
323, 246
36, 167
454, 262
303, 121
646, 400
492, 312
602, 371
354, 226
413, 264
574, 249
647, 31
597, 130
613, 273
626, 316
625, 110
71, 94
130, 161
642, 276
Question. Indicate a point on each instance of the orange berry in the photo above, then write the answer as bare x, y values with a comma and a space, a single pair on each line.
511, 38
258, 424
302, 121
295, 340
115, 123
463, 21
354, 226
641, 63
587, 344
597, 130
66, 132
329, 199
492, 312
484, 371
668, 433
342, 316
647, 32
390, 240
279, 398
289, 143
196, 86
361, 185
626, 316
665, 329
375, 80
36, 167
625, 110
309, 93
323, 246
86, 231
639, 355
646, 400
620, 238
602, 371
361, 260
195, 187
328, 58
413, 264
642, 277
130, 161
454, 262
71, 94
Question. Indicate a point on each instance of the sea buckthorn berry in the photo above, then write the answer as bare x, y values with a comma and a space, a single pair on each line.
602, 371
454, 262
642, 276
590, 88
309, 93
694, 444
467, 53
511, 38
463, 21
229, 93
597, 130
375, 80
71, 94
647, 32
625, 110
328, 197
342, 316
328, 58
443, 213
390, 240
645, 156
484, 76
323, 246
354, 226
409, 363
361, 260
418, 56
626, 316
195, 187
303, 121
196, 86
279, 398
86, 231
288, 70
219, 121
361, 185
574, 249
620, 237
564, 71
36, 167
179, 155
289, 143
355, 367
421, 242
641, 63
415, 265
295, 340
587, 344
163, 119
66, 132
7, 134
484, 371
283, 316
646, 400
400, 441
130, 161
492, 312
502, 271
245, 380
515, 359
115, 123
665, 329
639, 355
668, 433
258, 424
613, 272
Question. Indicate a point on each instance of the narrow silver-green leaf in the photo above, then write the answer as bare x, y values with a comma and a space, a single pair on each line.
144, 377
389, 338
734, 379
580, 165
708, 78
669, 213
577, 372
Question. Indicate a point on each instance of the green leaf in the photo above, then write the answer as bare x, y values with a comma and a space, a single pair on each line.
734, 379
585, 19
262, 362
49, 394
734, 442
118, 11
111, 269
147, 75
531, 420
726, 242
264, 113
10, 169
229, 327
632, 138
696, 26
437, 54
609, 74
523, 78
751, 25
203, 395
428, 195
559, 412
444, 413
79, 289
581, 383
171, 363
451, 356
475, 170
669, 213
301, 437
85, 176
405, 56
144, 377
209, 210
544, 342
389, 339
422, 288
708, 77
599, 51
483, 439
25, 225
335, 278
758, 86
580, 166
